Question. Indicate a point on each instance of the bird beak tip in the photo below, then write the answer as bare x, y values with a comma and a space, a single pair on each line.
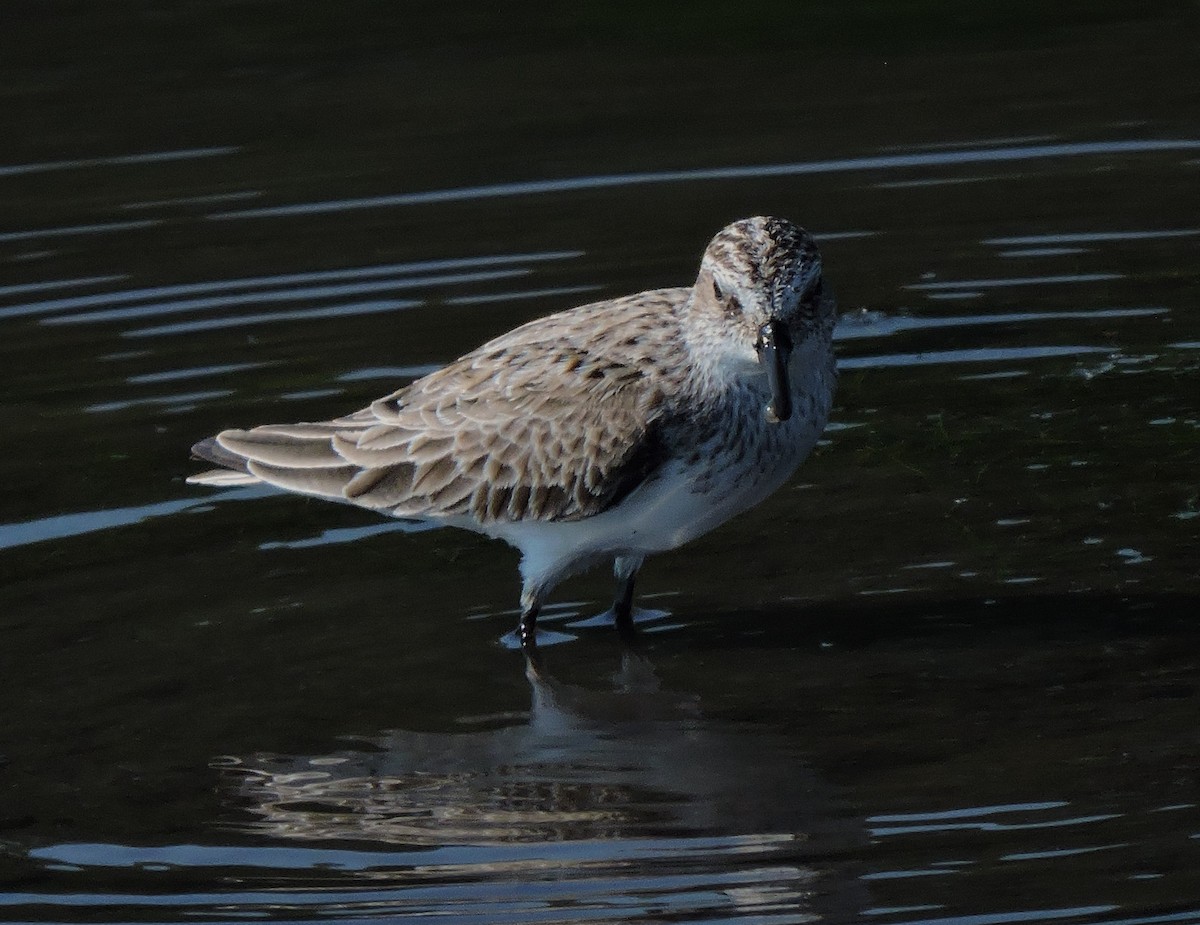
774, 353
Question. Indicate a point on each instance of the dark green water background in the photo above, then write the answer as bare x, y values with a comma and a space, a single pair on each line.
948, 674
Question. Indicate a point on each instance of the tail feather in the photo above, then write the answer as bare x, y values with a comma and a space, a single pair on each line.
299, 459
323, 483
223, 478
211, 451
233, 469
281, 448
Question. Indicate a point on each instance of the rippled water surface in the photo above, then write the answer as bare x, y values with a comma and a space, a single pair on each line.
948, 674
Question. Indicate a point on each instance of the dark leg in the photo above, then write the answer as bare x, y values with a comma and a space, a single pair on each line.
531, 605
626, 569
528, 628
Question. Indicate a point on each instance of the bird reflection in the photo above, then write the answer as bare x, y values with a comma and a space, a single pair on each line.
633, 765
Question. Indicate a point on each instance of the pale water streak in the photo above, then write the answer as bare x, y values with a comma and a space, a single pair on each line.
976, 355
1043, 252
120, 160
280, 280
334, 291
69, 230
210, 199
167, 402
335, 536
344, 310
609, 181
84, 522
940, 181
522, 294
389, 372
859, 325
973, 143
26, 288
607, 881
347, 309
1004, 282
196, 372
1092, 237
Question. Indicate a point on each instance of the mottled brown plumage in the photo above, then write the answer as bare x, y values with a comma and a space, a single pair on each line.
487, 436
623, 427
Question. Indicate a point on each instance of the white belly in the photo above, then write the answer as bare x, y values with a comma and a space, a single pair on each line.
684, 501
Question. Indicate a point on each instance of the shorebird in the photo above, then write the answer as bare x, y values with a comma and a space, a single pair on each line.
605, 432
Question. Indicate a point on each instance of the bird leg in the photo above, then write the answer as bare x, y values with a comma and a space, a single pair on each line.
531, 605
626, 569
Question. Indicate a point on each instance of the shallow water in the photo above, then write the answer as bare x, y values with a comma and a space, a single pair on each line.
948, 674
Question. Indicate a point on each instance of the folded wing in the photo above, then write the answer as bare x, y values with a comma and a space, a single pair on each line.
548, 422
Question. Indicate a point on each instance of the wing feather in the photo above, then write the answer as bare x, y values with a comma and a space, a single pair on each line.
557, 420
275, 447
324, 483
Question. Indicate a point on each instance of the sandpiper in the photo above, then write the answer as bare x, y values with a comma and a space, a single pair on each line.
605, 432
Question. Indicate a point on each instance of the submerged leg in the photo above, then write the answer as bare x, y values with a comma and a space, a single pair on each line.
626, 569
531, 605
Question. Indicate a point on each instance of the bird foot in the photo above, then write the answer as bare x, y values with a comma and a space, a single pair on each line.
542, 637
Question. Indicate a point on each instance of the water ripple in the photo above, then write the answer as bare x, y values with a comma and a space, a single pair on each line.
608, 181
863, 324
68, 230
976, 355
341, 310
120, 160
284, 280
67, 525
26, 288
338, 290
1092, 237
608, 881
975, 284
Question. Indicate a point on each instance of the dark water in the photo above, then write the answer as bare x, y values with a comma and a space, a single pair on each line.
948, 674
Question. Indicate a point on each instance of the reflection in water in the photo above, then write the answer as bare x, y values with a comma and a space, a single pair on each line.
634, 761
720, 819
631, 804
597, 882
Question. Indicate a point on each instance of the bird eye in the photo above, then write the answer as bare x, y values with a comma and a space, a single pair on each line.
717, 291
